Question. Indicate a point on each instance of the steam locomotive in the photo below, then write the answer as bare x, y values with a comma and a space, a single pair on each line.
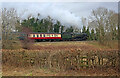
55, 36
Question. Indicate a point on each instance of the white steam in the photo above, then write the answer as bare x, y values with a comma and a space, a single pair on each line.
69, 14
48, 9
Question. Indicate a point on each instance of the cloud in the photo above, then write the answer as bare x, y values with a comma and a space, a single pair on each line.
68, 14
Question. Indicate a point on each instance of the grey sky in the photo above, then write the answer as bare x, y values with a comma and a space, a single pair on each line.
68, 13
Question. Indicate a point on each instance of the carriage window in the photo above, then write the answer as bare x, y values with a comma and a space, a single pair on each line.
56, 35
48, 35
37, 35
33, 35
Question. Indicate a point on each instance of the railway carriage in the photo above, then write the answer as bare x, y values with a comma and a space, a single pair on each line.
45, 36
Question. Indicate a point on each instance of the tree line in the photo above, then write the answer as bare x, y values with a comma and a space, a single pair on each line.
42, 25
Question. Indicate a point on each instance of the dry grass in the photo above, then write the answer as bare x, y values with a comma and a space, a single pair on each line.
112, 44
83, 45
66, 44
44, 50
11, 71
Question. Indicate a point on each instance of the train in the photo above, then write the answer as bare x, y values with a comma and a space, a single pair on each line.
37, 36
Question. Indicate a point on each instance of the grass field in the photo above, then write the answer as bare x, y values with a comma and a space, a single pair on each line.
70, 45
54, 47
67, 44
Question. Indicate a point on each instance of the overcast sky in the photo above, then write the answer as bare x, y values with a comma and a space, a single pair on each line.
68, 13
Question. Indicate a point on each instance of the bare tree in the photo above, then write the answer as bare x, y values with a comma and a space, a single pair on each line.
0, 25
105, 21
9, 24
50, 24
84, 21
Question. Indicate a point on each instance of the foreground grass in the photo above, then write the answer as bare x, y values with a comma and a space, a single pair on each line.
58, 47
33, 71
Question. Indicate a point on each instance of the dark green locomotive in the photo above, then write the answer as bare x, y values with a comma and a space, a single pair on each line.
74, 36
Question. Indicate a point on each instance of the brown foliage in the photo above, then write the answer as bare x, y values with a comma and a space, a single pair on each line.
61, 60
26, 42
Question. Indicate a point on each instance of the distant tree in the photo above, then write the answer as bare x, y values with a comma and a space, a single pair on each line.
88, 33
84, 29
70, 29
97, 34
92, 34
50, 24
77, 30
43, 25
56, 27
